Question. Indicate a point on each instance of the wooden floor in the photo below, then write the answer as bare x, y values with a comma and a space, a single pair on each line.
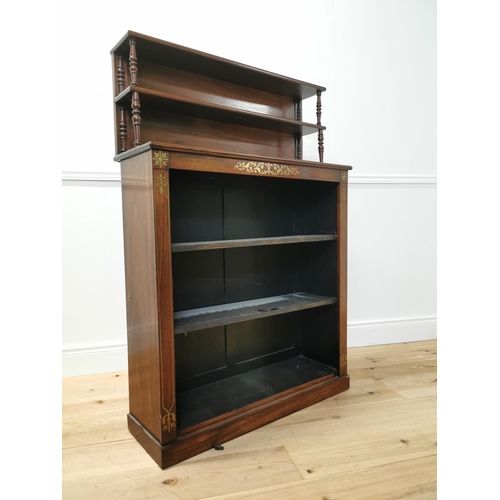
375, 441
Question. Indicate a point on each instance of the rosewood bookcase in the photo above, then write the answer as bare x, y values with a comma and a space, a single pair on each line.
235, 248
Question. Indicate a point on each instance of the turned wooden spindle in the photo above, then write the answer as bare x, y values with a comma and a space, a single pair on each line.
133, 62
298, 137
321, 148
136, 118
298, 110
298, 147
123, 130
318, 107
120, 74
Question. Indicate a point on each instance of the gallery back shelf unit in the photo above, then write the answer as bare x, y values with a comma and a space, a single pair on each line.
165, 92
235, 248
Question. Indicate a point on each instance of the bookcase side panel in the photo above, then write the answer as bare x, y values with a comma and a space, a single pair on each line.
141, 293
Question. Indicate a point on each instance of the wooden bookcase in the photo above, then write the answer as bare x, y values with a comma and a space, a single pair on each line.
235, 248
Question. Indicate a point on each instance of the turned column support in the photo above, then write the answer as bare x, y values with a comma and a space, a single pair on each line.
120, 74
318, 107
298, 110
136, 118
123, 130
298, 137
133, 61
298, 147
321, 148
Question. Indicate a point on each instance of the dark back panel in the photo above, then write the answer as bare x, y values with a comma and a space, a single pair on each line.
319, 268
250, 343
316, 205
196, 209
198, 279
320, 335
256, 272
200, 352
256, 207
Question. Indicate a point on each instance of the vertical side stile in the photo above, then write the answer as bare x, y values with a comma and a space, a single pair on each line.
342, 270
161, 185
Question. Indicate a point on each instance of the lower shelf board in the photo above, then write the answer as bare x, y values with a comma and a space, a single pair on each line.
236, 312
218, 398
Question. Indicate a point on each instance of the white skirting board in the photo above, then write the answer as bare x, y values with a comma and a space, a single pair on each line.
91, 360
105, 359
391, 331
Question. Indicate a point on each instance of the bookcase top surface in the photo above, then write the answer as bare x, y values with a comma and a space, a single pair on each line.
223, 154
194, 61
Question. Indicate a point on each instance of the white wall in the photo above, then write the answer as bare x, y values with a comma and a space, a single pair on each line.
384, 109
377, 61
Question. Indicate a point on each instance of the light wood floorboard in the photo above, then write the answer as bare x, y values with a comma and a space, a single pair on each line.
375, 441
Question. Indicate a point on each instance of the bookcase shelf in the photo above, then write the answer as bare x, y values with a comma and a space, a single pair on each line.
250, 242
235, 248
236, 312
168, 55
169, 103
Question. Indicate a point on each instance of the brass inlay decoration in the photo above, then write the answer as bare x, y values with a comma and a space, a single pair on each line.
343, 186
263, 168
161, 183
160, 158
343, 359
168, 421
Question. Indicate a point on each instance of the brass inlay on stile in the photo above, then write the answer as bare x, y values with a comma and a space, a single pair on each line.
343, 359
160, 158
264, 168
161, 183
168, 421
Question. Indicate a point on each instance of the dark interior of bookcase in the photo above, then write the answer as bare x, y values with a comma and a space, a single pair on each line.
256, 320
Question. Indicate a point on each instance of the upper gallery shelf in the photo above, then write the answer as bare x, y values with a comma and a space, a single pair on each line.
176, 56
189, 107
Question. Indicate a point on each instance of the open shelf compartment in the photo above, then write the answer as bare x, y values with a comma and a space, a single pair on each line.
224, 396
